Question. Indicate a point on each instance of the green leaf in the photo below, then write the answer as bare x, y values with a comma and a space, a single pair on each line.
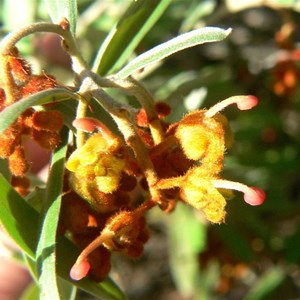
60, 9
181, 42
18, 218
266, 284
188, 239
31, 266
46, 258
31, 293
11, 113
4, 169
127, 33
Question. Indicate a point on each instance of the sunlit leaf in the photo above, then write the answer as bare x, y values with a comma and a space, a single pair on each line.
127, 33
32, 292
181, 42
46, 257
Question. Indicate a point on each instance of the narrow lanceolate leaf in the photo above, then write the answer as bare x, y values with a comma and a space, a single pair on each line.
11, 113
137, 20
181, 42
45, 254
18, 218
60, 9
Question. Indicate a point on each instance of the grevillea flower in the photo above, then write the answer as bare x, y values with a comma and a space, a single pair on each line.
202, 137
188, 162
96, 165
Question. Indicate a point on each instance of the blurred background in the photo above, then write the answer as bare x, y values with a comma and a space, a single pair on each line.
256, 253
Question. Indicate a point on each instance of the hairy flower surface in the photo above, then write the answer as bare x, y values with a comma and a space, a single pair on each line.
201, 135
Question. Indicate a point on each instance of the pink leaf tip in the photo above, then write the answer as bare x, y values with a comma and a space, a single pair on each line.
254, 196
80, 269
247, 102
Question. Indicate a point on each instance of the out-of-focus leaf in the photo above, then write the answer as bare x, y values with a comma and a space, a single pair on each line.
32, 292
267, 283
196, 12
15, 18
45, 254
10, 113
181, 42
187, 239
18, 218
60, 9
127, 33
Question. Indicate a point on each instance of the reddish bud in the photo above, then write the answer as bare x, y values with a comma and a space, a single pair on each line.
247, 102
64, 24
87, 124
162, 109
254, 196
80, 269
242, 102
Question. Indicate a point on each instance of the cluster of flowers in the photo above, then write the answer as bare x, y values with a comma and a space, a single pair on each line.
187, 164
42, 126
111, 182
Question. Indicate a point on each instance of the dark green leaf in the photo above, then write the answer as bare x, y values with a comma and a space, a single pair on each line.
127, 33
18, 218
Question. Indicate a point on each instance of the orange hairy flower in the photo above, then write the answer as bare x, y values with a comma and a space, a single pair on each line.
201, 135
38, 83
51, 120
46, 139
19, 66
17, 163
